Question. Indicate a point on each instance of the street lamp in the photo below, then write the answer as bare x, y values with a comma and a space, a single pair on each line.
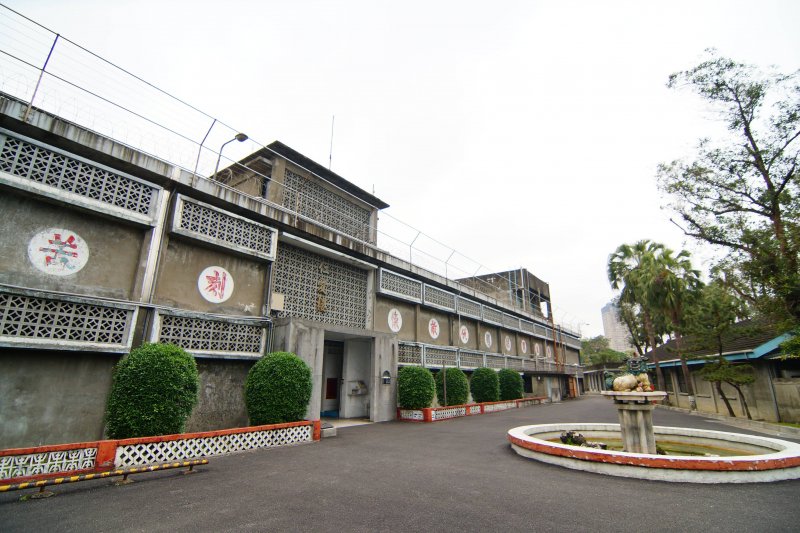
241, 137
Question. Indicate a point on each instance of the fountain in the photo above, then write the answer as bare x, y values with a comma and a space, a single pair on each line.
693, 455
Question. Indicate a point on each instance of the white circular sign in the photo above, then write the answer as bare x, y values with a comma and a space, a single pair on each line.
463, 334
487, 339
508, 343
433, 328
58, 252
537, 350
524, 345
215, 284
549, 352
395, 320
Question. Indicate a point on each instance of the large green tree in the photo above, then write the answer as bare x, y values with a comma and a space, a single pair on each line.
710, 318
596, 351
742, 192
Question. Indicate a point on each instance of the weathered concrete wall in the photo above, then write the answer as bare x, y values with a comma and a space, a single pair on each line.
383, 398
423, 321
758, 395
182, 264
508, 342
407, 312
485, 346
472, 333
221, 402
114, 248
51, 397
787, 391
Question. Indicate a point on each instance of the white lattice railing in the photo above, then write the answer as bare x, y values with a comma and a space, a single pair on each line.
146, 451
34, 464
499, 406
66, 459
448, 412
433, 414
410, 414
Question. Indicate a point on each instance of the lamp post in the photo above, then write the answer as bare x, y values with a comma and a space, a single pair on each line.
241, 137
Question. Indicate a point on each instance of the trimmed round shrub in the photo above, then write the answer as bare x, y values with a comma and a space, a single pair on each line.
485, 385
153, 392
277, 389
457, 387
510, 384
415, 388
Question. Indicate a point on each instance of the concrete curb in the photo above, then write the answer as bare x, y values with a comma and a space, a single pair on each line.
755, 425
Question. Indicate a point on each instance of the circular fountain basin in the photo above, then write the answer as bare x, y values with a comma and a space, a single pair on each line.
755, 459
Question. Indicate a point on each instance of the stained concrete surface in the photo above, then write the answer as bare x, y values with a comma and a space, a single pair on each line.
456, 475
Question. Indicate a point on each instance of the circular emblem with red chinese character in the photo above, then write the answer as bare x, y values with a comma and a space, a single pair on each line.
463, 334
548, 352
487, 339
215, 284
524, 345
433, 328
508, 343
58, 252
395, 320
537, 350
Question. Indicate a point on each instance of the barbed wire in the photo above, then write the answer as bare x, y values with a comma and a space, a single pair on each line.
137, 113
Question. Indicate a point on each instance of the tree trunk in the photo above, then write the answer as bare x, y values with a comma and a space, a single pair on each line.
685, 369
651, 338
744, 401
724, 398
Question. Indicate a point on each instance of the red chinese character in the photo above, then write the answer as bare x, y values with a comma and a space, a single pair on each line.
216, 284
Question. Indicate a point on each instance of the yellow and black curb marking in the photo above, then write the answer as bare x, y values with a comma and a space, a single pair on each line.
41, 484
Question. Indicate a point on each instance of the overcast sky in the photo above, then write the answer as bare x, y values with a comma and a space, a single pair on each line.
521, 134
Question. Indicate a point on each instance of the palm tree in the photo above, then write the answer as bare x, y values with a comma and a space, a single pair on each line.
674, 284
630, 270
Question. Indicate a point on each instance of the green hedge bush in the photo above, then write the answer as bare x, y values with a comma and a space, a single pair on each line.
277, 389
153, 392
510, 384
457, 387
485, 385
415, 388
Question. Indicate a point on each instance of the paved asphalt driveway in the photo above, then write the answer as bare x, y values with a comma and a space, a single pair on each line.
457, 475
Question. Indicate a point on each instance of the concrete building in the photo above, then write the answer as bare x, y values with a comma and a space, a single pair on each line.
619, 338
773, 396
106, 247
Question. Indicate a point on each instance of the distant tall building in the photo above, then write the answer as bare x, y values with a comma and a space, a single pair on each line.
619, 338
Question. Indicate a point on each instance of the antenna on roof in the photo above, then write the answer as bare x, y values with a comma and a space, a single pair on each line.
330, 154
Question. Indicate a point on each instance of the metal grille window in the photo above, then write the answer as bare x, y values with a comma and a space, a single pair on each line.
527, 327
495, 361
492, 315
204, 335
46, 320
400, 286
470, 359
510, 321
514, 363
439, 298
320, 289
468, 308
437, 357
57, 170
410, 354
209, 224
318, 203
